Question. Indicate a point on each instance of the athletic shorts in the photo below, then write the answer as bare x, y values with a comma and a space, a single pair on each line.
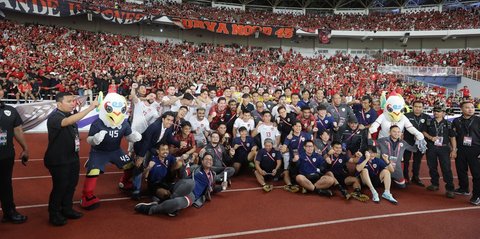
313, 177
98, 159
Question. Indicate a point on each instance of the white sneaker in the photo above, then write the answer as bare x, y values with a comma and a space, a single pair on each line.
375, 197
389, 197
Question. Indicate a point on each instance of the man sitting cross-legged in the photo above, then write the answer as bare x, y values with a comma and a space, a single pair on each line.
312, 174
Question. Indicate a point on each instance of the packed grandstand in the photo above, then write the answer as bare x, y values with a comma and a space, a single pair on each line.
217, 96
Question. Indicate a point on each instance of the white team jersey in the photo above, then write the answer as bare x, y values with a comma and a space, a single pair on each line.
202, 126
192, 110
143, 116
250, 125
166, 107
268, 131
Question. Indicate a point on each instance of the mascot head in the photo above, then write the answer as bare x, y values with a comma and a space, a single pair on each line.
394, 107
112, 110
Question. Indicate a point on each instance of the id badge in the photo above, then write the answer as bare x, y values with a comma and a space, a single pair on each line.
439, 141
3, 137
393, 159
341, 121
77, 144
467, 141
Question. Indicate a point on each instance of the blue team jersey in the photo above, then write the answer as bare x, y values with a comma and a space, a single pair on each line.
339, 165
160, 169
245, 146
324, 124
202, 182
302, 103
374, 167
296, 143
112, 139
268, 160
365, 118
311, 164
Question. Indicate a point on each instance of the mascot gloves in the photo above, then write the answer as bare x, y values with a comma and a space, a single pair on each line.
98, 137
422, 145
134, 137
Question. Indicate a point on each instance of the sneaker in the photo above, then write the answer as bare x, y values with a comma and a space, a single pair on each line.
291, 188
304, 191
450, 194
375, 197
267, 188
343, 191
462, 192
475, 201
125, 186
324, 192
144, 208
173, 214
389, 197
417, 182
432, 188
359, 196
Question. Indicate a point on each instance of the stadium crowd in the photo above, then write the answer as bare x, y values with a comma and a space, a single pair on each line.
468, 59
422, 20
209, 113
38, 61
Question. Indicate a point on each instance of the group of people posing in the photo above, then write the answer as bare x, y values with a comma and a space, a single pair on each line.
186, 147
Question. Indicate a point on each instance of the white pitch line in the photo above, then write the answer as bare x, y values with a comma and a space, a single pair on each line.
123, 198
37, 159
48, 176
75, 202
316, 224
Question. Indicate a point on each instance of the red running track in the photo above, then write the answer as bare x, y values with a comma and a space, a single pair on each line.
244, 211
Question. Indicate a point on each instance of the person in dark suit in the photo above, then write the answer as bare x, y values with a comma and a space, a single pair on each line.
159, 131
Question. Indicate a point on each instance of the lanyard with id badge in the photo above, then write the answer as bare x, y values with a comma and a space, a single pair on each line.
467, 139
439, 134
3, 137
393, 158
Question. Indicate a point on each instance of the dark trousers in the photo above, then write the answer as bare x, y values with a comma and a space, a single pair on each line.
417, 160
65, 179
467, 157
440, 155
6, 189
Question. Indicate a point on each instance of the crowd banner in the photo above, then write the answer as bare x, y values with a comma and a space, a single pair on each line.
33, 114
234, 29
118, 16
64, 8
67, 8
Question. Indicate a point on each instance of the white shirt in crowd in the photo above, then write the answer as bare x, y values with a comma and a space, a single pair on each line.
239, 122
144, 115
268, 131
198, 127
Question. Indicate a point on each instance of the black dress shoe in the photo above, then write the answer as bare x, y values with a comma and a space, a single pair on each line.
57, 219
72, 214
417, 182
14, 217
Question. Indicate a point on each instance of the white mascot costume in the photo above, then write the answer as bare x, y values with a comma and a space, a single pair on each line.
105, 136
393, 109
